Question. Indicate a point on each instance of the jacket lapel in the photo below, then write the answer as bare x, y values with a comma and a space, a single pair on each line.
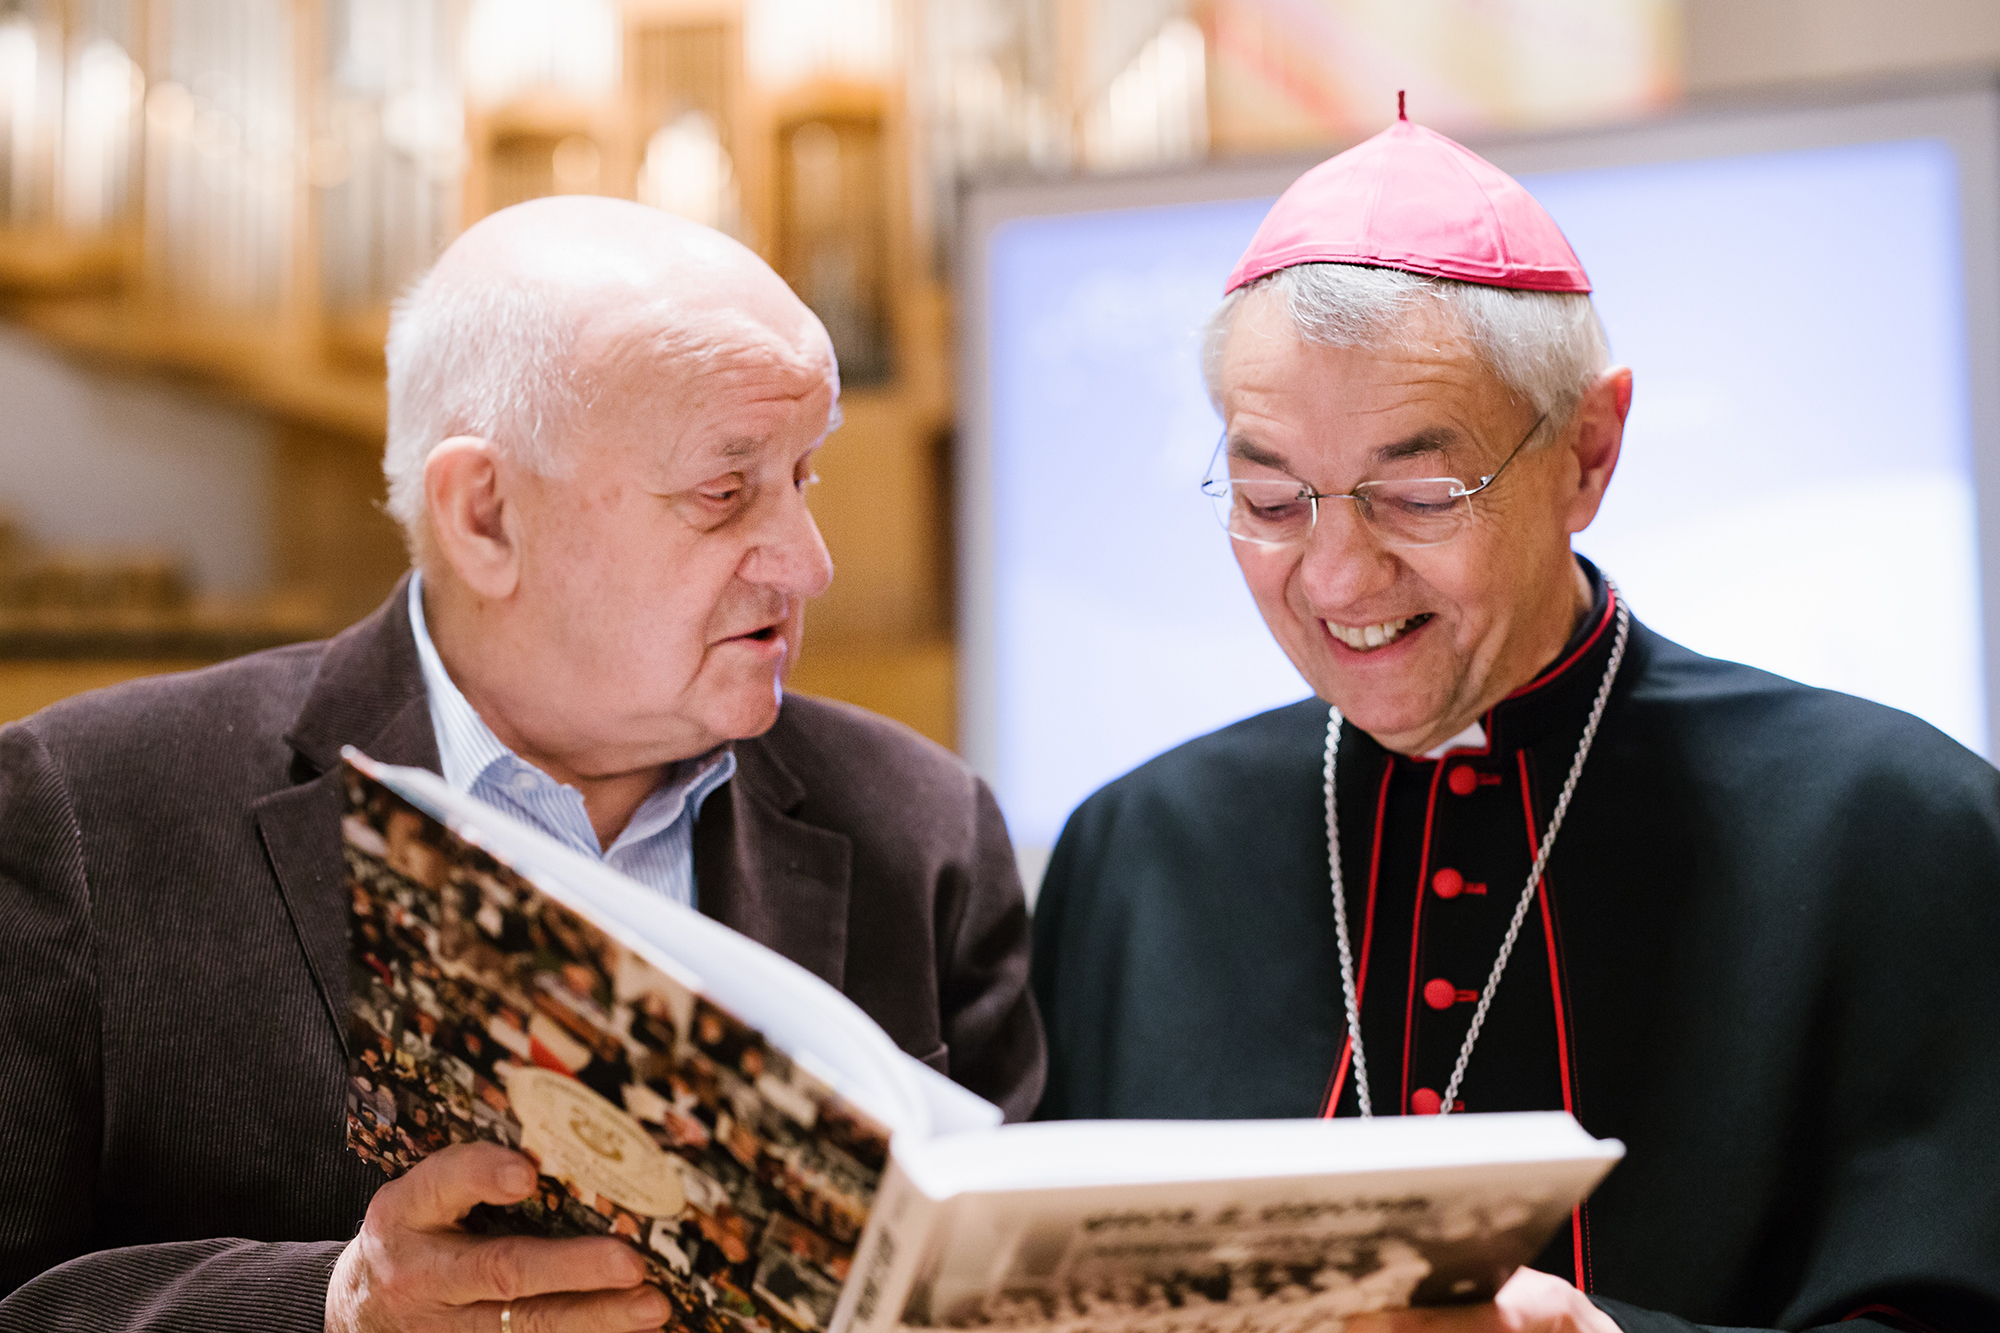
766, 873
369, 694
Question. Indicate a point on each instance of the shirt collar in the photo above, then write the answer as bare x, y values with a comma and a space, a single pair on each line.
688, 784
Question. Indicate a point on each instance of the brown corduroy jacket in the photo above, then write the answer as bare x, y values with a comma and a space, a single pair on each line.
173, 958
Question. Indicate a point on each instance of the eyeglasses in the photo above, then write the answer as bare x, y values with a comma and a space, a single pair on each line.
1281, 511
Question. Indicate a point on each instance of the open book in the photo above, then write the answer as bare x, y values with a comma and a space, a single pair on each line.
781, 1165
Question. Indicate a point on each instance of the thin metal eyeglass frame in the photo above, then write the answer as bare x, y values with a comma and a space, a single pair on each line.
1314, 497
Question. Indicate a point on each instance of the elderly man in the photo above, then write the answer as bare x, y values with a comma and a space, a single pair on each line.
1535, 856
603, 425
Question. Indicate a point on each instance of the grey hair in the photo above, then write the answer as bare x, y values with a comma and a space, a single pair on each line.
491, 359
1546, 347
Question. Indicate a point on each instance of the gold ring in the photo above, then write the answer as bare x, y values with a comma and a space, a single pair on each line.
507, 1318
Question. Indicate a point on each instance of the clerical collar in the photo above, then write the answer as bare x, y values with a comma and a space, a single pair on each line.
1472, 738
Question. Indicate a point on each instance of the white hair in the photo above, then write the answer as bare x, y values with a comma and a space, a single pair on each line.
1546, 347
492, 359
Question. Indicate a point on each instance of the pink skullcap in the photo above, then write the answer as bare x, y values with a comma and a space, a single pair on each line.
1409, 198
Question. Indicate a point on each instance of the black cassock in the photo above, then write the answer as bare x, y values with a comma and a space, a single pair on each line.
1766, 956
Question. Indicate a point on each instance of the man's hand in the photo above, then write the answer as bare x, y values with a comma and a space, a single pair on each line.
411, 1270
1531, 1302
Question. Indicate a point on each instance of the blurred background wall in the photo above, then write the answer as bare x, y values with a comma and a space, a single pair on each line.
206, 207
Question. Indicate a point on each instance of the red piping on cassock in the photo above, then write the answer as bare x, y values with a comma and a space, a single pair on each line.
1579, 1268
1339, 1079
1417, 933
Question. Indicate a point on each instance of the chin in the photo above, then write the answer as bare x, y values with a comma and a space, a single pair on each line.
1381, 718
750, 714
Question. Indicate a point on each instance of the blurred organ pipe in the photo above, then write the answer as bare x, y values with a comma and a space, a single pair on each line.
221, 149
387, 156
69, 104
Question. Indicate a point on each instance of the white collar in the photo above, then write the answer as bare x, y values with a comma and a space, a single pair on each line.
1472, 738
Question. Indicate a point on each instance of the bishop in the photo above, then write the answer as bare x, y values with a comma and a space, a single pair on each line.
1520, 852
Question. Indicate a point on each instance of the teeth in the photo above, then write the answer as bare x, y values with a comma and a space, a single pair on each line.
1363, 638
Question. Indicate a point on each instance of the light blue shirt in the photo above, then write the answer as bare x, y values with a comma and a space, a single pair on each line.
656, 847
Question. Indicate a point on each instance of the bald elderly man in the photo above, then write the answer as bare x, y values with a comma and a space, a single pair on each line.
1521, 853
603, 423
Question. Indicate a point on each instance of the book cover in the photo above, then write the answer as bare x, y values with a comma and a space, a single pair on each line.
481, 1008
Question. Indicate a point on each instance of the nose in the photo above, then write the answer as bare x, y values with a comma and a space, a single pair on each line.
1344, 561
790, 556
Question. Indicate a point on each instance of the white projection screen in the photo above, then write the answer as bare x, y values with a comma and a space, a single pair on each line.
1808, 294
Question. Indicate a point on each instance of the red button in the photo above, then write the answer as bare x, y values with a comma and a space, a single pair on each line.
1439, 993
1447, 883
1425, 1101
1462, 780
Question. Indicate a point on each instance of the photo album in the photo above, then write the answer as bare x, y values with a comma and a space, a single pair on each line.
783, 1167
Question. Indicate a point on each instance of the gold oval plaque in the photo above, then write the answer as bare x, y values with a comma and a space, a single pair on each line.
578, 1136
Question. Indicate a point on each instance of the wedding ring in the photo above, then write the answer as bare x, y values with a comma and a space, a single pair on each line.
507, 1318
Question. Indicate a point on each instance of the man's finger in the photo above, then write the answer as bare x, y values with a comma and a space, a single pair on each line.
513, 1268
446, 1185
595, 1312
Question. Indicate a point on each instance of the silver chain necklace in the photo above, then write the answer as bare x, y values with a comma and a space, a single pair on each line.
1347, 988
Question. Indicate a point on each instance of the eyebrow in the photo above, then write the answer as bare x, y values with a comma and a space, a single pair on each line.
1252, 452
1430, 440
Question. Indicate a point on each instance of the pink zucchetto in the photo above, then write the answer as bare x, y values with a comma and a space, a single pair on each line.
1411, 199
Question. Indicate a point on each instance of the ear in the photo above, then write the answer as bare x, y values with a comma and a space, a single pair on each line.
1600, 434
471, 527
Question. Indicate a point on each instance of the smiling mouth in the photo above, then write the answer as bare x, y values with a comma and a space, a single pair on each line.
1367, 638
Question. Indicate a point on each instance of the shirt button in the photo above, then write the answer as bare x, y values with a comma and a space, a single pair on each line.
1426, 1101
522, 782
1447, 883
1462, 780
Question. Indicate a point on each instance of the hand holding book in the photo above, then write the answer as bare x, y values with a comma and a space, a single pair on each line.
412, 1267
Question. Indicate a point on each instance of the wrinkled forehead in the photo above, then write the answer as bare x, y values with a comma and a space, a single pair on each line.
679, 388
666, 339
